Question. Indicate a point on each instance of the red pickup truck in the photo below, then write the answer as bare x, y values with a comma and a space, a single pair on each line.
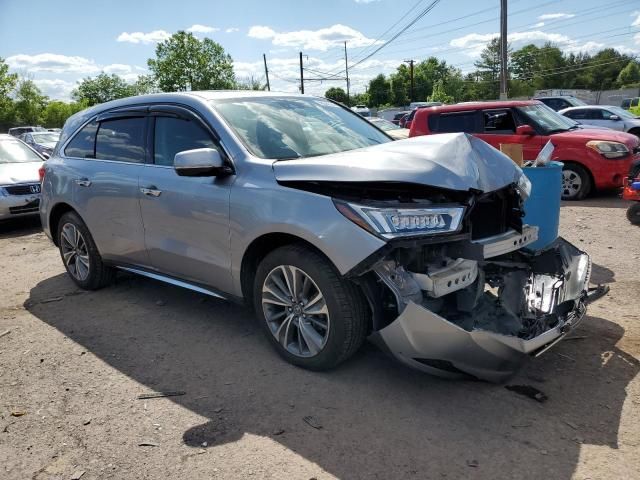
593, 158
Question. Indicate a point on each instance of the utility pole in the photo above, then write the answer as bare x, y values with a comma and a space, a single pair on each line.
504, 73
346, 71
266, 71
410, 62
301, 75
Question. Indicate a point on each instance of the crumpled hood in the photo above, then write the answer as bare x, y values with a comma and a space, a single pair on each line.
12, 173
456, 161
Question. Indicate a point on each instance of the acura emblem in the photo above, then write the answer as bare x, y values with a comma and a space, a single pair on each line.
34, 188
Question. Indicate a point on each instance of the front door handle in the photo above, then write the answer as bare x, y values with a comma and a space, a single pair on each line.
83, 182
151, 191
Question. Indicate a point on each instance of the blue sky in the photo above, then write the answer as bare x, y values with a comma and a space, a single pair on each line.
59, 42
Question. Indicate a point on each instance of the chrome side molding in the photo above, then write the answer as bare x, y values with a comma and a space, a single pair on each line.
173, 281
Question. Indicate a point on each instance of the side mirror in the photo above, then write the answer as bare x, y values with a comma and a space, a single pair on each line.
525, 130
614, 117
200, 162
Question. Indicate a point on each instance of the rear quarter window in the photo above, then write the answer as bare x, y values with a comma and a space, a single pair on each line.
454, 122
84, 142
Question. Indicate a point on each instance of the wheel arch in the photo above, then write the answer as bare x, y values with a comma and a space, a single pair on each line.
54, 218
262, 246
634, 131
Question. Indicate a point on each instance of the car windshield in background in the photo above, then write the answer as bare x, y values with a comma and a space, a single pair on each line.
14, 151
546, 118
621, 112
383, 124
48, 137
284, 128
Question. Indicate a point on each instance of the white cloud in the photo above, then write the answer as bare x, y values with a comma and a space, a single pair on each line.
117, 68
321, 39
197, 28
141, 37
231, 30
636, 38
555, 16
261, 32
474, 43
55, 88
51, 62
538, 25
636, 22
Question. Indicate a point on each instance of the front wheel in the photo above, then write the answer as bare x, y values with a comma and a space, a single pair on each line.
80, 254
576, 182
633, 214
313, 317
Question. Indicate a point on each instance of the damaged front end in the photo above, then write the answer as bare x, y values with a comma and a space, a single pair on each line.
472, 299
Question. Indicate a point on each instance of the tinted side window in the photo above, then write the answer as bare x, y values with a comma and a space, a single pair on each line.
593, 114
453, 122
173, 135
83, 144
576, 114
634, 102
121, 140
498, 121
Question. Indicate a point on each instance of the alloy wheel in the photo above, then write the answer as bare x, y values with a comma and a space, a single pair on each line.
74, 251
571, 183
296, 311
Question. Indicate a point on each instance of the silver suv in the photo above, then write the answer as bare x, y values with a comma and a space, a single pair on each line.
310, 214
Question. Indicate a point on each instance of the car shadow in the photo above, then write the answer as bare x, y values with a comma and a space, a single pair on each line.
600, 274
369, 418
19, 227
609, 199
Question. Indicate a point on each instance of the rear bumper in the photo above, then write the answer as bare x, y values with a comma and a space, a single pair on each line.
425, 340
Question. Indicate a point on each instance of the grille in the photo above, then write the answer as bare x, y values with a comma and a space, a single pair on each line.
23, 189
495, 213
31, 207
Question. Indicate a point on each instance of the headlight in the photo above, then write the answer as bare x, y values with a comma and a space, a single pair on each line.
3, 192
524, 187
401, 222
609, 149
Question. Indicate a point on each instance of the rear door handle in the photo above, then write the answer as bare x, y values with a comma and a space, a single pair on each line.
151, 191
83, 182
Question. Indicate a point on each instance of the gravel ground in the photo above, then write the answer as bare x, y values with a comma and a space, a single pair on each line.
73, 363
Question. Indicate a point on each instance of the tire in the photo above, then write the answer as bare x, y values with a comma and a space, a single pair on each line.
82, 260
346, 317
633, 214
576, 182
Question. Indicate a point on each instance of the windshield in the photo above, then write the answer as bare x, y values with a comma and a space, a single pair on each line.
383, 124
45, 137
14, 151
288, 127
621, 112
546, 118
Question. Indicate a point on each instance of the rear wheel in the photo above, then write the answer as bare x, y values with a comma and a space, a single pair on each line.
576, 182
633, 214
313, 317
80, 254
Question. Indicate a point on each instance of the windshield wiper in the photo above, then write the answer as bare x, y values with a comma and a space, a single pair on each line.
557, 130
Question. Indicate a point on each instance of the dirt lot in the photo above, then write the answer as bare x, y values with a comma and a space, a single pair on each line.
75, 362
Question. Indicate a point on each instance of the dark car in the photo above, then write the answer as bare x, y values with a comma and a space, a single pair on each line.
398, 116
17, 131
42, 142
561, 102
629, 103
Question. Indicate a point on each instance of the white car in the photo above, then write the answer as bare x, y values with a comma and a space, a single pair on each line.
362, 110
605, 116
19, 178
390, 128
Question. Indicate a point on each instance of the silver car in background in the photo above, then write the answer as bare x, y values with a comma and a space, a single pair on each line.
19, 178
605, 116
330, 230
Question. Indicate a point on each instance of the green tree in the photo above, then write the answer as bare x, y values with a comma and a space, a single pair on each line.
8, 82
55, 114
379, 91
488, 71
102, 88
629, 76
183, 62
360, 99
439, 94
250, 83
399, 96
29, 103
144, 85
337, 94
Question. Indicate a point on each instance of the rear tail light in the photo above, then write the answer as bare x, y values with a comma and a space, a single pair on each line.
41, 173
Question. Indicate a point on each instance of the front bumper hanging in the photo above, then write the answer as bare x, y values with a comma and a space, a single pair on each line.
558, 290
